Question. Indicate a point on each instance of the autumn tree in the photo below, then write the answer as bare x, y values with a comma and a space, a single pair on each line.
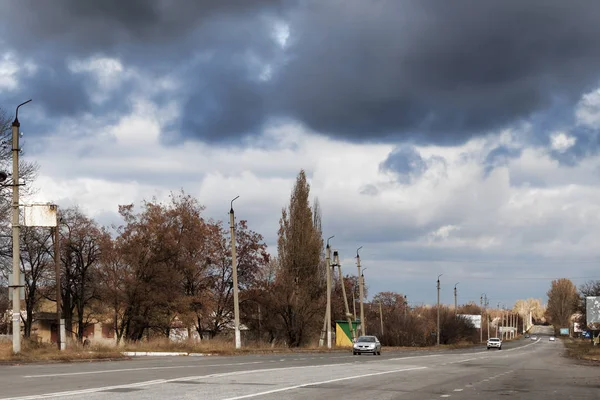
36, 267
80, 260
148, 243
300, 291
114, 279
562, 302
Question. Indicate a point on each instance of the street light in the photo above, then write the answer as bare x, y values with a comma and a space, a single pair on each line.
361, 283
438, 310
236, 305
455, 299
328, 309
16, 284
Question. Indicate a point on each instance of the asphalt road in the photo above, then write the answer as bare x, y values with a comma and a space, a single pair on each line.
522, 370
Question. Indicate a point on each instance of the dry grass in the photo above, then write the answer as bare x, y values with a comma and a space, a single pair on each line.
36, 352
219, 347
582, 350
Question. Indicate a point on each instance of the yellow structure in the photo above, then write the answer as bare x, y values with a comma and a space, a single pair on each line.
343, 334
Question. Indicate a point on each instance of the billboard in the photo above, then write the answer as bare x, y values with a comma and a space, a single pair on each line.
564, 331
592, 312
40, 215
577, 327
475, 320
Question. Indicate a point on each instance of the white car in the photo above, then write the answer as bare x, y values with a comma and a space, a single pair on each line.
552, 338
367, 344
494, 343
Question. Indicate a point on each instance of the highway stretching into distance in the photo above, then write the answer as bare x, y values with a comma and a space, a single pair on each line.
523, 369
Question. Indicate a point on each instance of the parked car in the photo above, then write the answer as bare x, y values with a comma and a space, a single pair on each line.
494, 343
367, 344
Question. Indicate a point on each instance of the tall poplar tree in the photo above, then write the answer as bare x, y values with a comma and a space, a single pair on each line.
301, 275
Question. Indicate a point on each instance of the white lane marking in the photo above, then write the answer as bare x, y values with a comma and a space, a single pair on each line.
458, 390
158, 381
408, 358
284, 389
462, 361
445, 395
107, 371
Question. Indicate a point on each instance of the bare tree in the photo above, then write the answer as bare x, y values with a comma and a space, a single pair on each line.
36, 267
80, 259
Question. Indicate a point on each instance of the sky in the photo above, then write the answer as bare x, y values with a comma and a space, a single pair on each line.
456, 138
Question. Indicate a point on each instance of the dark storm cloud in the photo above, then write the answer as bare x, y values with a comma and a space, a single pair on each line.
444, 69
203, 43
431, 70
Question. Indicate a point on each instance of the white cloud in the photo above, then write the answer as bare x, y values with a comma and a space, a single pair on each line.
561, 141
10, 67
588, 110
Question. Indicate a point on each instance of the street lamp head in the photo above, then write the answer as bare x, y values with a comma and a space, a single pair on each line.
3, 176
357, 256
16, 121
231, 210
330, 237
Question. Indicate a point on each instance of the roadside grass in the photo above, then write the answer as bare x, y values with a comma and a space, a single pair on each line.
582, 350
45, 352
32, 351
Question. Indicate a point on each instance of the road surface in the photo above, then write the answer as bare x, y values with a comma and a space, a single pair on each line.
524, 369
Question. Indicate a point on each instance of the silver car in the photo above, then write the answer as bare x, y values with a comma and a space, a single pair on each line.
367, 344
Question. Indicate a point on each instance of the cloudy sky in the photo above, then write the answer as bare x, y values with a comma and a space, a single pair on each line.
456, 138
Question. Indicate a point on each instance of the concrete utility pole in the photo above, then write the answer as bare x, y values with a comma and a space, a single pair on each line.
328, 310
361, 281
56, 232
381, 318
16, 254
354, 301
482, 313
236, 304
455, 299
438, 310
336, 261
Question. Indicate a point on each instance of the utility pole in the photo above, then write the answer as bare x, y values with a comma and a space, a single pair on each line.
361, 282
16, 228
56, 232
236, 304
481, 326
354, 301
455, 299
487, 317
381, 318
328, 310
336, 261
438, 310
